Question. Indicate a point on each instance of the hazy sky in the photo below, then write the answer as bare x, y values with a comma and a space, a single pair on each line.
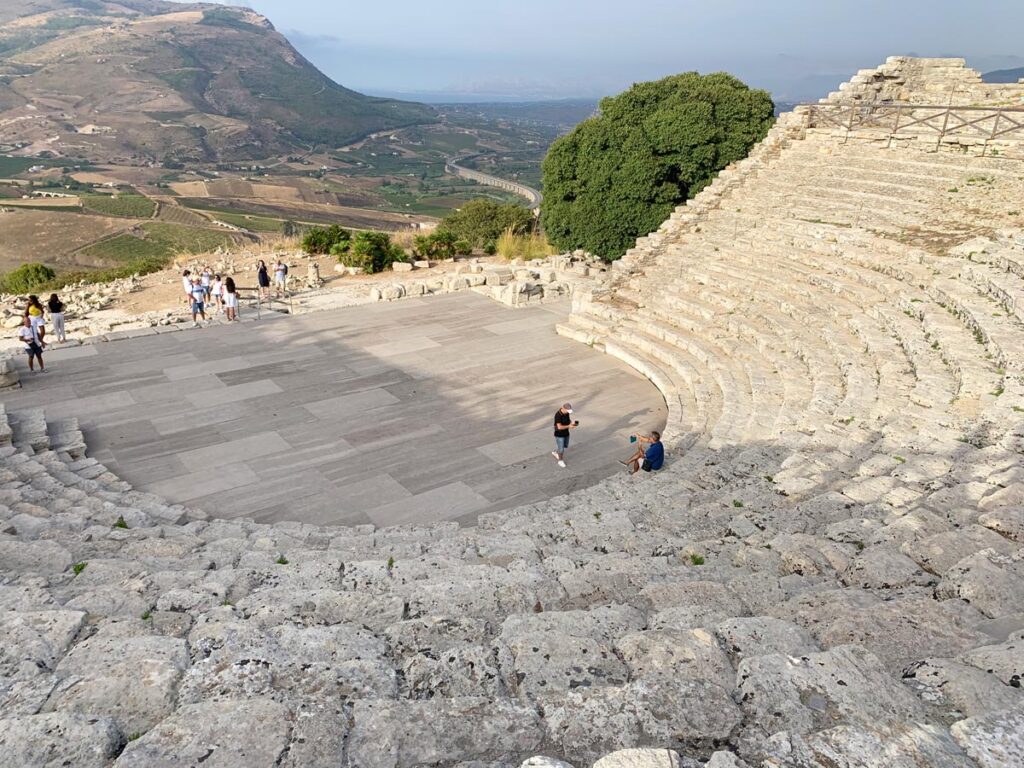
796, 48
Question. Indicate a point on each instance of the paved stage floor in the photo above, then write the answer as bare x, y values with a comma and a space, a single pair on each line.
412, 412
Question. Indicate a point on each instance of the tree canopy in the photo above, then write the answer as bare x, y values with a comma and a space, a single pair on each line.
480, 222
619, 175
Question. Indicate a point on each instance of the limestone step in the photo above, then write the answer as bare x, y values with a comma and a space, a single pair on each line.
66, 438
29, 432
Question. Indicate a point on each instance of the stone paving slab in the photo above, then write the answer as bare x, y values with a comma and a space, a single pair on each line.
412, 412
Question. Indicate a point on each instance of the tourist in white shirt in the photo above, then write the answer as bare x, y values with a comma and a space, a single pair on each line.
217, 293
33, 346
186, 286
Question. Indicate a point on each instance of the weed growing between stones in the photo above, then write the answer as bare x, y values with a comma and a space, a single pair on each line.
120, 522
697, 559
282, 560
737, 503
78, 568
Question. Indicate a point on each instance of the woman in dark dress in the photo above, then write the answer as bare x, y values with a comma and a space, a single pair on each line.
263, 278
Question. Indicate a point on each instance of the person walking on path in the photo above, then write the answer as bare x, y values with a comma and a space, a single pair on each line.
263, 278
649, 455
281, 278
56, 307
34, 312
198, 302
563, 423
230, 299
33, 345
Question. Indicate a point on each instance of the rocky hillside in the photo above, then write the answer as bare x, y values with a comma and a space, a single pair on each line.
140, 81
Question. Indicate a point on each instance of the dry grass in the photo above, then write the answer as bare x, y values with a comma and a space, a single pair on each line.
45, 202
527, 247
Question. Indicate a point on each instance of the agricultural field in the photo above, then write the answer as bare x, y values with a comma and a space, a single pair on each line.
128, 206
52, 238
157, 240
391, 181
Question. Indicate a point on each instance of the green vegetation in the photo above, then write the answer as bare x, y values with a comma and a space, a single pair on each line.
78, 567
64, 23
225, 17
697, 559
370, 251
483, 221
618, 176
441, 244
737, 503
129, 206
391, 563
152, 249
26, 278
323, 240
120, 522
282, 560
146, 615
157, 240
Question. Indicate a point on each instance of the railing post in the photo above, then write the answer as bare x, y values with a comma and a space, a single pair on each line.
993, 134
895, 126
945, 122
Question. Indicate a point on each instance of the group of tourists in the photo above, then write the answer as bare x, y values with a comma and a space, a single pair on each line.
32, 332
207, 289
280, 279
649, 455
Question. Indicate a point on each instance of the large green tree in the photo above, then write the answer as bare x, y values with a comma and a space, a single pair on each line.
619, 175
480, 222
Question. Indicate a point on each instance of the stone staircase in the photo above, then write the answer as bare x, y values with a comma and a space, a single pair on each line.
830, 571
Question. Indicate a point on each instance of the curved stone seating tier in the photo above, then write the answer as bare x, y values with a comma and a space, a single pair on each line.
830, 571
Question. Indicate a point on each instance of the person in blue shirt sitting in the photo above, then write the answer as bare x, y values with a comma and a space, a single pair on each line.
649, 455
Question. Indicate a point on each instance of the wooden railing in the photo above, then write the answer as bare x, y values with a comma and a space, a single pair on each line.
944, 122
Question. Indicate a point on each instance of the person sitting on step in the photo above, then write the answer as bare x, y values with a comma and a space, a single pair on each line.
649, 455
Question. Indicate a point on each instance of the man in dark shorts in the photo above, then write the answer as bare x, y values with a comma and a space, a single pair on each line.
649, 455
563, 423
33, 345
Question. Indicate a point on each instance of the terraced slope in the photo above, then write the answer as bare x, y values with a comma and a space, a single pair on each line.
830, 574
142, 81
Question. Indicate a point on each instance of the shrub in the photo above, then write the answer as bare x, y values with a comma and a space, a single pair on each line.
322, 240
463, 248
479, 222
619, 175
26, 278
438, 245
371, 251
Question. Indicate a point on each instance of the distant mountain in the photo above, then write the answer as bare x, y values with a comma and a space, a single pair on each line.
153, 81
1004, 75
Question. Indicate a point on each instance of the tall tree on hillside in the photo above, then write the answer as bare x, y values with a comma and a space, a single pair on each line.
619, 175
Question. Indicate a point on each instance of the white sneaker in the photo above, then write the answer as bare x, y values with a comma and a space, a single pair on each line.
195, 325
561, 464
555, 454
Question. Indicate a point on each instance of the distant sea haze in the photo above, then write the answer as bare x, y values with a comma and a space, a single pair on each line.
450, 97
